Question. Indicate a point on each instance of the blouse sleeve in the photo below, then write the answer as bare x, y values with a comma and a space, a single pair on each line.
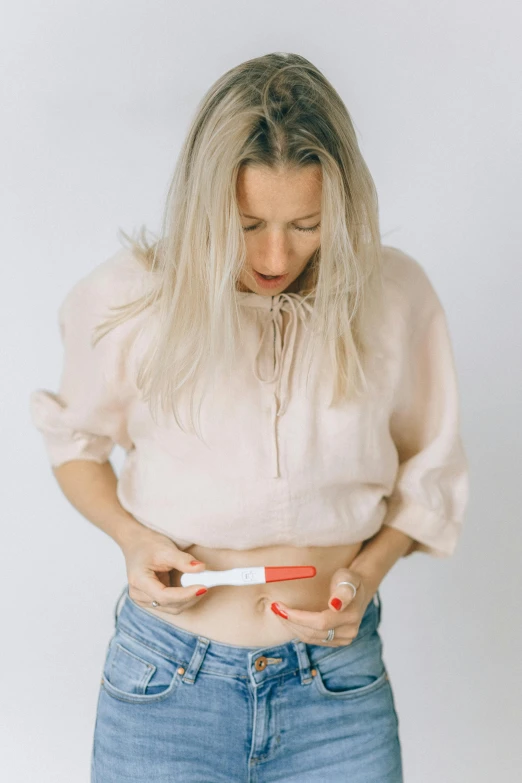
430, 494
86, 417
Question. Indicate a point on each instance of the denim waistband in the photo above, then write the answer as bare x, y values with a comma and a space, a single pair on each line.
255, 663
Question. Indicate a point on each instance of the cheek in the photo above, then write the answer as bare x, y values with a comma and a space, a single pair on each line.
253, 250
307, 246
307, 251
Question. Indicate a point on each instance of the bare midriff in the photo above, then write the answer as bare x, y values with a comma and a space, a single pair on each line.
242, 616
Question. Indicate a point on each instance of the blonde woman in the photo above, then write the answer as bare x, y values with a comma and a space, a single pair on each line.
285, 390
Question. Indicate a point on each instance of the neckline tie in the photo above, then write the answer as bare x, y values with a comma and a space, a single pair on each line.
283, 350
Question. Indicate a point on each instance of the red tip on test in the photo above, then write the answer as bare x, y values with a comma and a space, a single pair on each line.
283, 573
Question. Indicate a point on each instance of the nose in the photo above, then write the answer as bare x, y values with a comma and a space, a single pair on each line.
275, 259
274, 270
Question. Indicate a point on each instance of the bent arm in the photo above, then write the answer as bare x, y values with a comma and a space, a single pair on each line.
380, 552
91, 488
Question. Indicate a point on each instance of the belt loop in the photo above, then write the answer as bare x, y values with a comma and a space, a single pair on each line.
304, 661
190, 673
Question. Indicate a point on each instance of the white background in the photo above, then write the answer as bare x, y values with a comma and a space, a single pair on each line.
95, 99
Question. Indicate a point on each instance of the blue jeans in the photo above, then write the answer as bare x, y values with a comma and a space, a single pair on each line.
176, 706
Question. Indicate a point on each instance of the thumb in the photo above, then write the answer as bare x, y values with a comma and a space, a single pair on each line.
180, 563
342, 595
192, 565
167, 556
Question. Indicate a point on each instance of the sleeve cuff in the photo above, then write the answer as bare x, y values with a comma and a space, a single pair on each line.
431, 533
62, 441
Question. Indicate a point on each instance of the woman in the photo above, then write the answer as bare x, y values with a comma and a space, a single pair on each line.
285, 391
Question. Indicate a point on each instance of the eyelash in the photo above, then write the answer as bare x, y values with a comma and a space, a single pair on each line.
306, 230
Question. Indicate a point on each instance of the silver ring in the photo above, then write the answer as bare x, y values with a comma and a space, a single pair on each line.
331, 634
155, 603
351, 585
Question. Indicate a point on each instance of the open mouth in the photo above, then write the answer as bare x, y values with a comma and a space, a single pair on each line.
268, 280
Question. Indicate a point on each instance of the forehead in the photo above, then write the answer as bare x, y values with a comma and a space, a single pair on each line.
263, 189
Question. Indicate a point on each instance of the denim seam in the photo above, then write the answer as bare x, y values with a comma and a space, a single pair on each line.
150, 668
346, 695
138, 698
145, 643
125, 632
205, 670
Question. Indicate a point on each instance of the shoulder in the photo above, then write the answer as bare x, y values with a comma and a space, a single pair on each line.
408, 288
119, 275
114, 281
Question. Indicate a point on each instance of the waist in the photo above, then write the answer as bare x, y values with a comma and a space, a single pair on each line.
242, 615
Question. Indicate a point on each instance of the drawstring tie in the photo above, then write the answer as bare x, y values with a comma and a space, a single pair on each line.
283, 355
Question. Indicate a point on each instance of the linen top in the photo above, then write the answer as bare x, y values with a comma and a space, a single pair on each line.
278, 466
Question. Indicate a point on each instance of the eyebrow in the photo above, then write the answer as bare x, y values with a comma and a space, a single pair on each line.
305, 217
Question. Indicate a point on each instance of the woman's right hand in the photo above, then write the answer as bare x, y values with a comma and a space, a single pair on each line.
149, 558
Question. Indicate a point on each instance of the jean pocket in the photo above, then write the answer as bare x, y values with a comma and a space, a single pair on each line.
353, 670
135, 672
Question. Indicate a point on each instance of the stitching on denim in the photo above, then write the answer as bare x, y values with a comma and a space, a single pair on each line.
147, 674
381, 680
145, 643
139, 697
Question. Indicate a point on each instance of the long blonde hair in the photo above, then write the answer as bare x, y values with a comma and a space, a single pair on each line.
277, 110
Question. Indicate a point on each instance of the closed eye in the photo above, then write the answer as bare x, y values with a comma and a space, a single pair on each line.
297, 228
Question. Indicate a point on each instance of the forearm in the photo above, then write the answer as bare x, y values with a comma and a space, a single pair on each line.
380, 553
91, 488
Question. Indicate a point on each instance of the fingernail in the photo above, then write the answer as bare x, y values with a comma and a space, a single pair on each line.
203, 590
336, 603
277, 610
195, 562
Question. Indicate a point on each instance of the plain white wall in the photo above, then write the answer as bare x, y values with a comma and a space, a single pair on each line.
95, 101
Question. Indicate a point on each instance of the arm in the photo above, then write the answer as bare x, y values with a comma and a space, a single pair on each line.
426, 507
91, 488
87, 416
379, 553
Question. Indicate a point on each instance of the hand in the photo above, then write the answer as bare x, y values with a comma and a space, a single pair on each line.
313, 627
150, 557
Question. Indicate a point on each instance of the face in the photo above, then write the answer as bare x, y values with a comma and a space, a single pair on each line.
280, 214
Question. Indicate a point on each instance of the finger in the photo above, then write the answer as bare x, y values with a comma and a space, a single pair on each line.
305, 619
312, 636
303, 633
342, 595
155, 590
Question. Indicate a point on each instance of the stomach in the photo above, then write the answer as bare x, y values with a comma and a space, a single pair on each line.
242, 616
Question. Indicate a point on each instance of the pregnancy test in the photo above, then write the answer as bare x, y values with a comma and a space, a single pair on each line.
258, 575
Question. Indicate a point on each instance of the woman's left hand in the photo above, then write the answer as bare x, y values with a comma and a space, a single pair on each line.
345, 619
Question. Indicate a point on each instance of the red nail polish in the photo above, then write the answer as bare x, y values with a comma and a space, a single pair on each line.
196, 562
336, 603
203, 590
277, 610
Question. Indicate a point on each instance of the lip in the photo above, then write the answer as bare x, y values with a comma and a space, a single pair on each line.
275, 283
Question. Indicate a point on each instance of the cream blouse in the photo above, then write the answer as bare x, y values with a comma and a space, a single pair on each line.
278, 466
